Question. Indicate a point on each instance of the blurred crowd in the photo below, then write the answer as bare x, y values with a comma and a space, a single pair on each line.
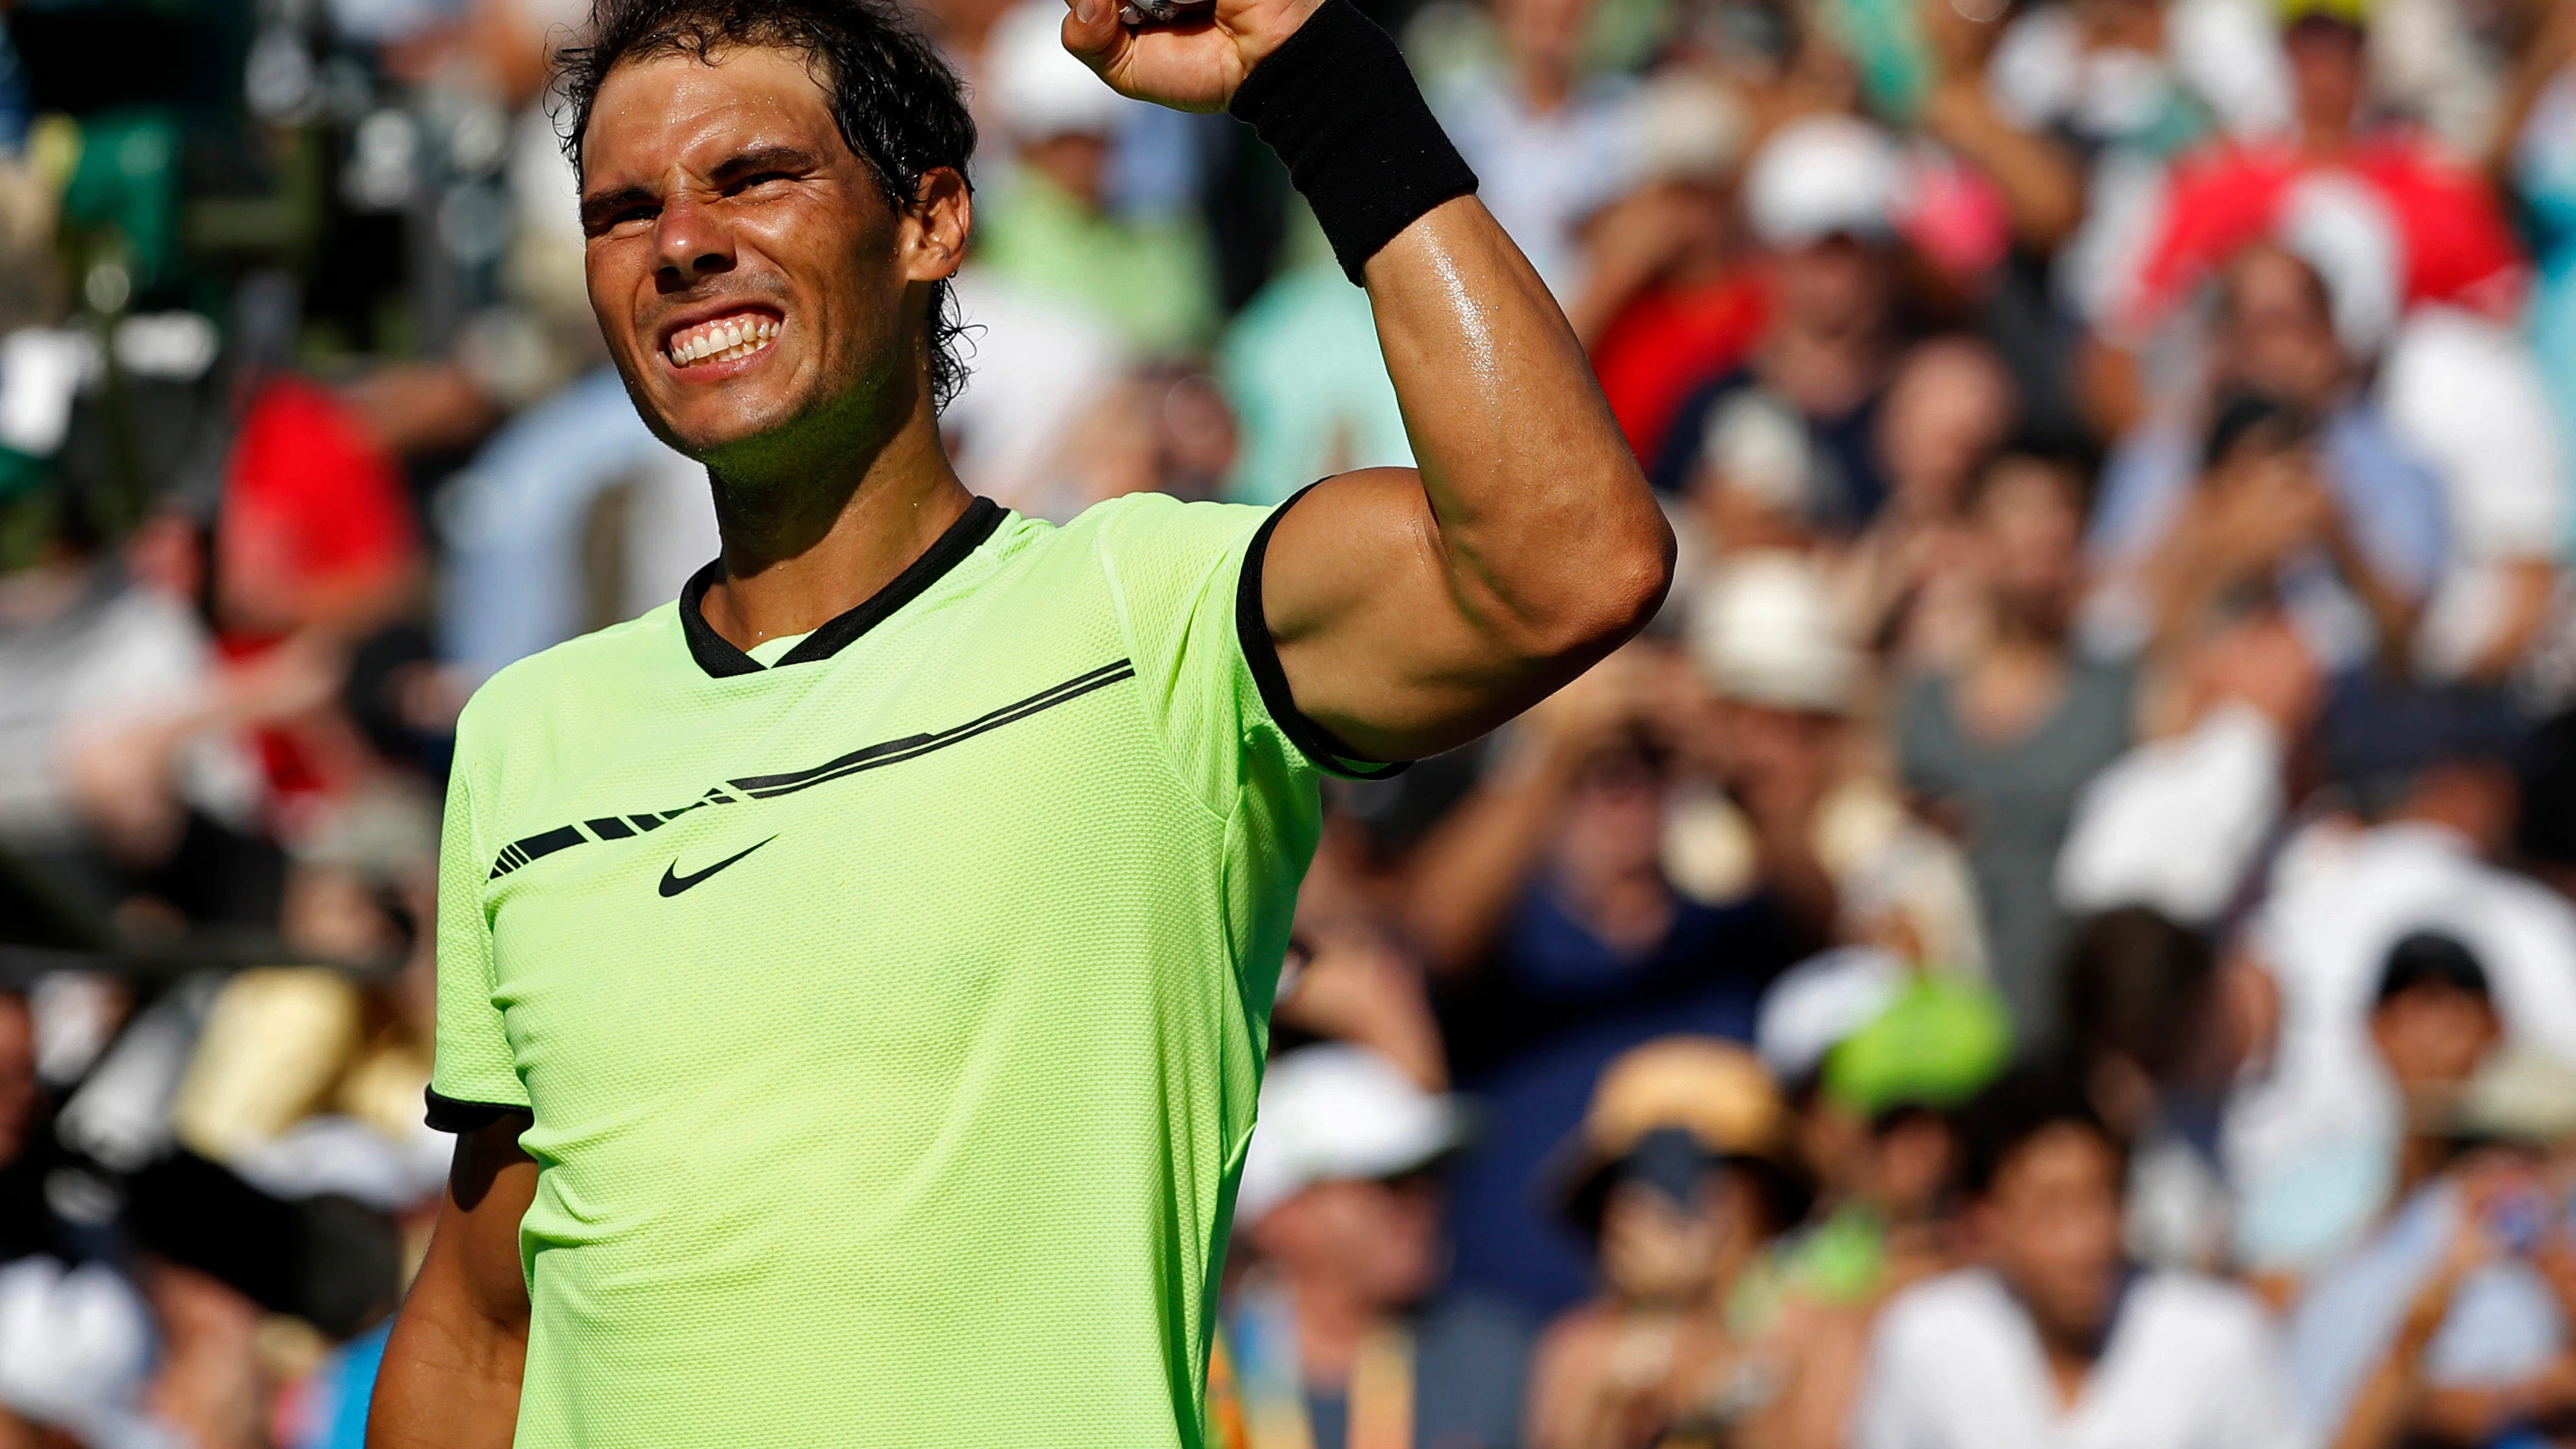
2061, 936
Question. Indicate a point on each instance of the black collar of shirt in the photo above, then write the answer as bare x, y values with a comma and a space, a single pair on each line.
722, 661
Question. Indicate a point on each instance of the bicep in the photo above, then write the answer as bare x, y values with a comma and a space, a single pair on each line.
1391, 641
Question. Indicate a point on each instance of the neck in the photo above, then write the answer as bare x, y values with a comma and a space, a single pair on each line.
796, 557
1331, 1321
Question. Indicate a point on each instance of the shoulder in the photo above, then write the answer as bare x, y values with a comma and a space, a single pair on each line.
541, 685
1144, 535
1943, 1316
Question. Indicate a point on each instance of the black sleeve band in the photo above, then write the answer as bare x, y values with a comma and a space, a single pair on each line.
446, 1114
1338, 104
1252, 628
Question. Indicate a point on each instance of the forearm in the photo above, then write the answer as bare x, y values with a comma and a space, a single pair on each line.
1532, 495
450, 1380
452, 1366
1475, 864
2040, 187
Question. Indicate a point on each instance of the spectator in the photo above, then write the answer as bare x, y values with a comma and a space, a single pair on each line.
2160, 1031
1301, 363
1820, 198
2356, 564
1329, 1335
2001, 744
1949, 408
2052, 1339
2451, 1324
1667, 298
76, 1341
1050, 229
2455, 244
1543, 904
1878, 1136
2181, 822
1550, 145
2343, 898
1785, 689
1676, 1177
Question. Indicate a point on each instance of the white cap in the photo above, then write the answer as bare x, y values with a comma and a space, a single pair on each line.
1820, 177
1759, 447
1765, 631
1335, 1113
1037, 87
1689, 130
1820, 1001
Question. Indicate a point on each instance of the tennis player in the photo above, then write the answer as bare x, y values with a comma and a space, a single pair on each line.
854, 976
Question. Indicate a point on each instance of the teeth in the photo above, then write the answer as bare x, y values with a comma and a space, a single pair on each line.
723, 341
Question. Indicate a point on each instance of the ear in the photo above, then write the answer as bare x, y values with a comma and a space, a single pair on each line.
936, 225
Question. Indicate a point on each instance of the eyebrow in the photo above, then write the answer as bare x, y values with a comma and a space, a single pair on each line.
597, 209
763, 158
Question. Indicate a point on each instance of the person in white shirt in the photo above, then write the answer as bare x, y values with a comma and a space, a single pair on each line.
2052, 1340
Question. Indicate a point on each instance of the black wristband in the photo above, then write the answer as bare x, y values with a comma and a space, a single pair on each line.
1338, 104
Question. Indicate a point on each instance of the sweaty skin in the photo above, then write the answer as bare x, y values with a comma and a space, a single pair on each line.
769, 312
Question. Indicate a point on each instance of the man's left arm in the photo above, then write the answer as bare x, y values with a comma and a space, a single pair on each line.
1413, 610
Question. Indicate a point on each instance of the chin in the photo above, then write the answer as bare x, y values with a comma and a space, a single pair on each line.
716, 427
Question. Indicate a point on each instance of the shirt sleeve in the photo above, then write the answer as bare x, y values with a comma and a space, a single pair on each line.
474, 1080
1187, 577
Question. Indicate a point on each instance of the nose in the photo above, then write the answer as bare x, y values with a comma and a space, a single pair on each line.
690, 244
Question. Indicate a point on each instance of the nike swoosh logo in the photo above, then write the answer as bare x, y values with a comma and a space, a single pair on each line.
673, 884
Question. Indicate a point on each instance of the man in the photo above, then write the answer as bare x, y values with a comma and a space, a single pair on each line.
2275, 339
2000, 744
1332, 1341
1050, 226
1819, 197
854, 975
2053, 1340
2344, 900
2450, 1326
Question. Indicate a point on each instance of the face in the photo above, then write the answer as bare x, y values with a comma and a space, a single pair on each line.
1837, 286
2280, 338
2031, 533
2433, 1036
1912, 1157
1545, 33
1614, 822
1948, 406
764, 303
2326, 72
2050, 1224
1073, 161
1379, 1241
1655, 1250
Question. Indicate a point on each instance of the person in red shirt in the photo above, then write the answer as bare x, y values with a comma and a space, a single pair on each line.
2456, 243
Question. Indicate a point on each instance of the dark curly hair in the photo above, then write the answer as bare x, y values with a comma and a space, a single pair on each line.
899, 105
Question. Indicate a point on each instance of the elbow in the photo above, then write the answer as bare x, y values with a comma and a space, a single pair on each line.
1615, 586
1636, 581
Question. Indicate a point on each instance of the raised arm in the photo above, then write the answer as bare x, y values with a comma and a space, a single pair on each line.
451, 1370
1413, 610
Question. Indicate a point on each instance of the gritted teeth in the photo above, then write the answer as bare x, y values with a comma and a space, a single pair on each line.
722, 340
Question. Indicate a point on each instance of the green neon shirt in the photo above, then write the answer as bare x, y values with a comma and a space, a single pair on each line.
890, 1016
